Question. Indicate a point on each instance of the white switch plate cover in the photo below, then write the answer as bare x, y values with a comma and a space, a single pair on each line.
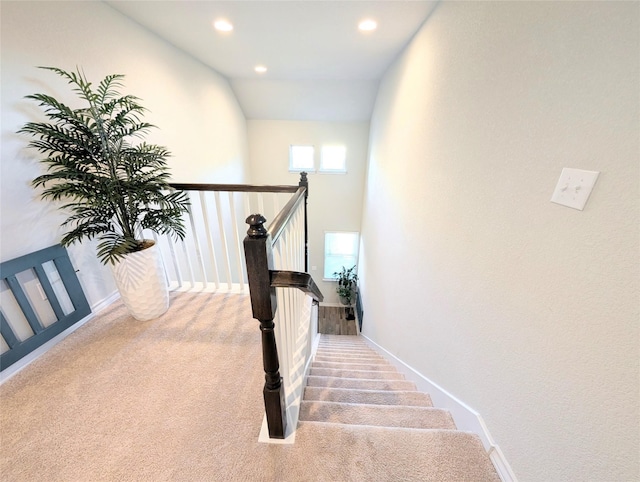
574, 187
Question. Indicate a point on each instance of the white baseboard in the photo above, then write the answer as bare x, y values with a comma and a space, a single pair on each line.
10, 371
465, 418
502, 466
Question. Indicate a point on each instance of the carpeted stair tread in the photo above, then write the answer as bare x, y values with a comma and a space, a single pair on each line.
358, 349
355, 342
344, 345
374, 397
359, 383
409, 455
356, 398
353, 366
335, 354
341, 338
334, 347
336, 359
352, 359
378, 415
366, 374
348, 353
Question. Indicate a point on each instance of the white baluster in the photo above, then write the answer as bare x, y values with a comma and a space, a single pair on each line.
207, 230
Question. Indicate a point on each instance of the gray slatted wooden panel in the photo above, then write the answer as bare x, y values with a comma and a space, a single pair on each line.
35, 261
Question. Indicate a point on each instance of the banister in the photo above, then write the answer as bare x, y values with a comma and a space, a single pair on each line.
304, 182
231, 187
283, 246
280, 221
261, 247
295, 279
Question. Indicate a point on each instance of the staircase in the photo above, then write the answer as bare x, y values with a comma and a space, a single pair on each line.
356, 397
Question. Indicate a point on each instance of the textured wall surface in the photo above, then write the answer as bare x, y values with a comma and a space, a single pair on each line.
524, 309
197, 115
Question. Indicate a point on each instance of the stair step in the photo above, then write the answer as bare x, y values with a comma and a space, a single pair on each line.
352, 359
363, 353
352, 365
356, 341
354, 397
338, 339
361, 348
377, 415
394, 453
348, 356
359, 383
371, 397
366, 374
344, 346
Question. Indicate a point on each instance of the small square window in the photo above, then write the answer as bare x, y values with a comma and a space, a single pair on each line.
301, 158
333, 159
340, 249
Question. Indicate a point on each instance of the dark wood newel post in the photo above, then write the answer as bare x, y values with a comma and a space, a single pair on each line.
259, 257
304, 182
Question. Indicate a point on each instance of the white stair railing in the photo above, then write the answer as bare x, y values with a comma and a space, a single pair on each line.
211, 257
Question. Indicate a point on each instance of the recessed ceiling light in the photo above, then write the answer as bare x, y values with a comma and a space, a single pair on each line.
223, 25
261, 69
367, 25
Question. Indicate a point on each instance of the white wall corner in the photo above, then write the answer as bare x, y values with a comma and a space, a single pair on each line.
465, 418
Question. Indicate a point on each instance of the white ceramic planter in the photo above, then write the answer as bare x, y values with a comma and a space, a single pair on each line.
142, 284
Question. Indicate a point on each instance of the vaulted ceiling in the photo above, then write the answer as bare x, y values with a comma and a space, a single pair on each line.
320, 66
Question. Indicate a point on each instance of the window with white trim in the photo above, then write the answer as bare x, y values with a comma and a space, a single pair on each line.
301, 158
333, 159
340, 249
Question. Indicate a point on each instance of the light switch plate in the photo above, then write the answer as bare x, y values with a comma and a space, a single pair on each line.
574, 187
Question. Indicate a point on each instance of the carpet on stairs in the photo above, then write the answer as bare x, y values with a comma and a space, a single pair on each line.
354, 393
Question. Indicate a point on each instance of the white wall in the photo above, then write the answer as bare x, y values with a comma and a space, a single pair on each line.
524, 309
335, 200
197, 114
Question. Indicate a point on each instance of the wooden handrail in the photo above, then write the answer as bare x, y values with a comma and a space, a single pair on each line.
295, 279
282, 219
231, 187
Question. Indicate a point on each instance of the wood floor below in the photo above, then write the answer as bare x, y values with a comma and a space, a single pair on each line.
332, 320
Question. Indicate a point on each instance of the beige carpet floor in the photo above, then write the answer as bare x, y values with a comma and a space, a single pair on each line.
179, 398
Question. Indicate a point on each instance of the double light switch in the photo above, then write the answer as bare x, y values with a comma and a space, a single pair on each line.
574, 187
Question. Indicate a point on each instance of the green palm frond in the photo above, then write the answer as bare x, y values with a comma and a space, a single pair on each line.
112, 187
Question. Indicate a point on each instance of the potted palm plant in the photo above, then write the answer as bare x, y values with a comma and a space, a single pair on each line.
113, 187
347, 282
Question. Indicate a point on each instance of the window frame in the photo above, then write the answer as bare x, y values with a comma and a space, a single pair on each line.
356, 255
302, 169
332, 171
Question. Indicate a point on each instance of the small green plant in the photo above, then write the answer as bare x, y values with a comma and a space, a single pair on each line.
113, 187
347, 280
